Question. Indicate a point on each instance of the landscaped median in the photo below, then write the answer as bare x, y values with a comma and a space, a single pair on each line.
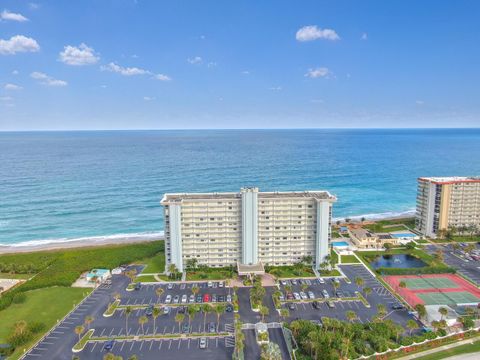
111, 308
80, 345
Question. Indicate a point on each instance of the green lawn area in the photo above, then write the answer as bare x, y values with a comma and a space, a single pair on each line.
458, 239
155, 264
290, 271
145, 278
349, 259
335, 235
391, 225
462, 349
210, 274
15, 276
37, 308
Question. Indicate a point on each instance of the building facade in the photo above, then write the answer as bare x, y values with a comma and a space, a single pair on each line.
445, 202
248, 227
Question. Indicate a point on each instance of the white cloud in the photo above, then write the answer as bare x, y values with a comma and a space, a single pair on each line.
6, 98
364, 36
125, 71
275, 88
10, 16
33, 6
212, 64
246, 72
162, 77
15, 72
312, 32
148, 98
18, 43
132, 71
419, 102
318, 73
78, 56
195, 60
44, 79
12, 87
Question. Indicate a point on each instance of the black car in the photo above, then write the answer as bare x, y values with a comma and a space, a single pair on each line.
221, 298
398, 307
149, 310
108, 345
138, 286
199, 299
181, 310
186, 328
211, 327
229, 308
316, 304
291, 306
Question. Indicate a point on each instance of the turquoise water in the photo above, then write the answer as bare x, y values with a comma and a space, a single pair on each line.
403, 235
339, 243
68, 185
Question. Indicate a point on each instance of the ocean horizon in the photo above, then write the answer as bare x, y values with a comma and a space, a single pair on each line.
60, 186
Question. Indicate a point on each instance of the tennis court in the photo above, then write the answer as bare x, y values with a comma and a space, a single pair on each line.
434, 289
421, 283
448, 298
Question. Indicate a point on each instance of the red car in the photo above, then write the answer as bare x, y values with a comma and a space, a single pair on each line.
206, 298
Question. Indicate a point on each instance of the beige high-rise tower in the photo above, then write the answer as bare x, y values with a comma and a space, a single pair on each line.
445, 202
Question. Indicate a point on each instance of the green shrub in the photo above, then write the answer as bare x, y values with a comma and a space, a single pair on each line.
17, 339
19, 298
36, 327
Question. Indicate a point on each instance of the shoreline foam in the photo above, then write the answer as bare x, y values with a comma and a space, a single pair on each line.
65, 243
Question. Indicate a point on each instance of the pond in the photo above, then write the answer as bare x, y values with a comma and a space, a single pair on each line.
397, 261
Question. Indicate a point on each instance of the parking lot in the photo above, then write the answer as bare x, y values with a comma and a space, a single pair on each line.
456, 259
304, 309
217, 348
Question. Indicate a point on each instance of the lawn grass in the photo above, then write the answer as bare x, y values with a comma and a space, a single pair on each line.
65, 266
458, 239
290, 271
210, 274
38, 307
335, 235
462, 349
352, 259
391, 225
15, 276
145, 278
155, 264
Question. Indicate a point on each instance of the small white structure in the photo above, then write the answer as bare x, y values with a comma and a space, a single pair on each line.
98, 275
433, 314
117, 271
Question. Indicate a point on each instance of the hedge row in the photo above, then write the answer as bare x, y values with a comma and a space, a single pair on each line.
416, 271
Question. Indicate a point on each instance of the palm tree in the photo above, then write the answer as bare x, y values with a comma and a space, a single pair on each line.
304, 287
359, 282
219, 310
192, 311
88, 320
179, 319
206, 308
421, 310
288, 288
335, 286
20, 327
351, 315
264, 311
159, 291
155, 314
382, 310
79, 331
195, 290
402, 284
411, 325
443, 311
284, 313
117, 296
367, 291
142, 320
131, 274
227, 284
128, 312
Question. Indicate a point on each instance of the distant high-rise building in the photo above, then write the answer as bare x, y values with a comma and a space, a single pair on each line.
248, 227
446, 202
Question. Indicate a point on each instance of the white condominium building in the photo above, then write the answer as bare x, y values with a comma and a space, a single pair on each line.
247, 227
444, 202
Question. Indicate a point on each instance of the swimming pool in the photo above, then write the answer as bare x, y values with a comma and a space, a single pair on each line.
340, 244
403, 235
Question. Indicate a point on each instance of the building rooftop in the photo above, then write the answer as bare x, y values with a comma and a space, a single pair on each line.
361, 233
451, 179
179, 197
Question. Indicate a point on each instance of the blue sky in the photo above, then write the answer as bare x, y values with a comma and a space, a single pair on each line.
246, 64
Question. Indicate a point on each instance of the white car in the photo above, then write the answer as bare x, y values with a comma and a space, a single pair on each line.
168, 299
311, 296
166, 310
220, 284
229, 298
303, 295
191, 299
209, 284
321, 281
325, 294
184, 299
296, 296
203, 343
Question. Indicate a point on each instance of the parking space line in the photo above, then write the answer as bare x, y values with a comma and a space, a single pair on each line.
123, 344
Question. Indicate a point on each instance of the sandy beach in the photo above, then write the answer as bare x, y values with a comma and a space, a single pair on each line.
69, 244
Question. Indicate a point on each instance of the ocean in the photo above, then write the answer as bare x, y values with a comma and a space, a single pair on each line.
57, 186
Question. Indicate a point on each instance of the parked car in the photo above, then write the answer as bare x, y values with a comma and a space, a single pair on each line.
281, 297
330, 304
108, 345
293, 281
220, 284
290, 296
199, 298
191, 299
176, 299
209, 284
303, 295
325, 294
321, 281
203, 343
206, 298
291, 306
214, 298
308, 282
182, 309
138, 286
229, 308
170, 286
168, 299
211, 327
316, 304
283, 282
186, 328
149, 310
221, 298
398, 307
339, 293
166, 310
229, 298
296, 296
184, 298
311, 295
